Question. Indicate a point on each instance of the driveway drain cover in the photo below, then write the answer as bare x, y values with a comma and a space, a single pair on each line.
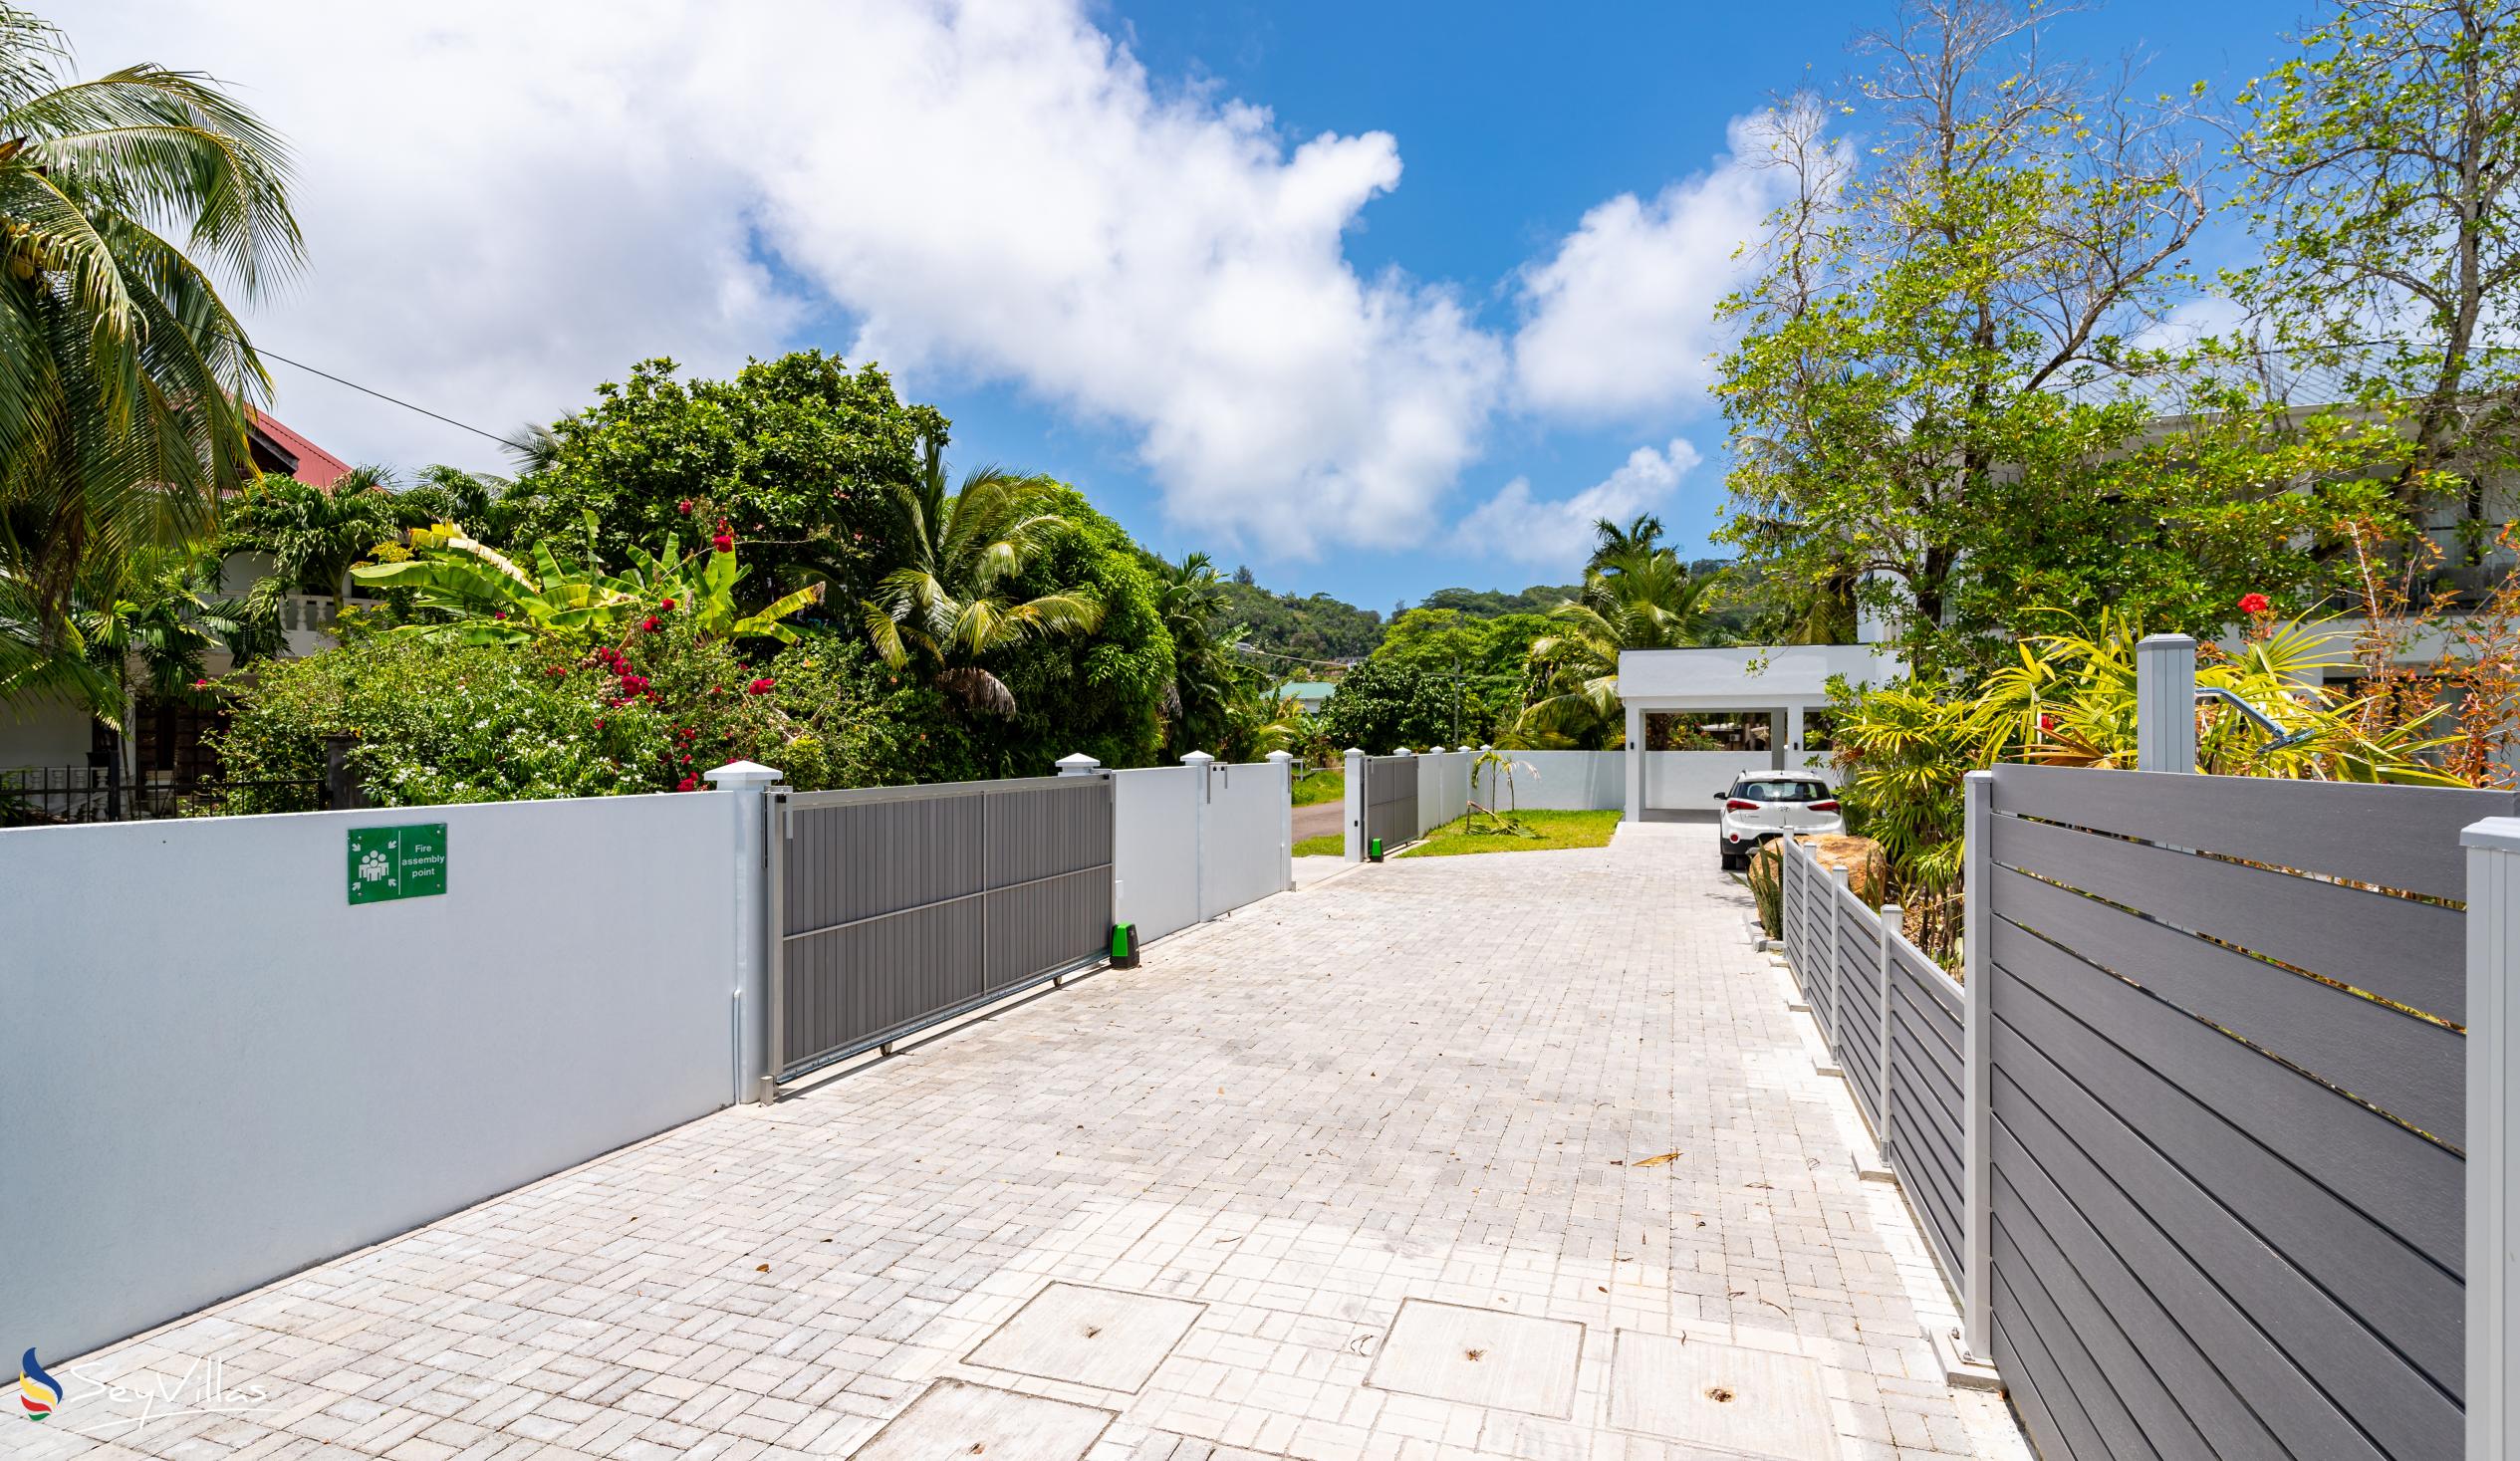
962, 1422
1716, 1396
1102, 1338
1480, 1356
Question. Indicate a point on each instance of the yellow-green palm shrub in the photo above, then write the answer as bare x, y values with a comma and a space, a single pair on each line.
2070, 700
476, 594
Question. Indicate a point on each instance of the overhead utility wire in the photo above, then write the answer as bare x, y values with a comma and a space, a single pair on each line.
509, 442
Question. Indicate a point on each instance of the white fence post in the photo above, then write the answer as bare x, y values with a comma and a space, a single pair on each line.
1977, 1111
1285, 763
1200, 763
757, 1037
2493, 1132
1355, 848
1830, 1036
2165, 703
1892, 918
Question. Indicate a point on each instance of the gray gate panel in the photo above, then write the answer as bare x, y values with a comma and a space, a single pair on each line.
2359, 938
1037, 928
1391, 799
2406, 838
899, 907
2410, 1068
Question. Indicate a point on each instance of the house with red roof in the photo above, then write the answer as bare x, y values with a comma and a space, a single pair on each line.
165, 740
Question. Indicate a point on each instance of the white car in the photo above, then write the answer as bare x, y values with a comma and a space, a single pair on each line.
1771, 804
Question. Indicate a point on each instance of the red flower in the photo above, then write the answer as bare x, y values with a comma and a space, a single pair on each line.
2047, 722
667, 606
687, 783
683, 507
201, 684
723, 542
555, 670
599, 722
760, 686
498, 614
648, 623
2254, 603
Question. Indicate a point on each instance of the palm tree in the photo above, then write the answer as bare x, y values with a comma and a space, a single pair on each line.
123, 376
1614, 544
1651, 603
313, 534
1209, 689
958, 555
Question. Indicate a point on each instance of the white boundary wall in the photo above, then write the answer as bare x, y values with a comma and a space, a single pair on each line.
1591, 780
1443, 788
1196, 840
215, 1070
1557, 781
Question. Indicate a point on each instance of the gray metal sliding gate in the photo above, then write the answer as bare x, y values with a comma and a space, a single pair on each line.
894, 908
1391, 799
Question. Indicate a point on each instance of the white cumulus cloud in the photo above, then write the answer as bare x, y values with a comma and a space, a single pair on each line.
1619, 322
508, 203
1558, 532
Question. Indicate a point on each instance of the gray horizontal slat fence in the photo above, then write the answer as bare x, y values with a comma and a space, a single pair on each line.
1391, 801
1859, 1032
1928, 1081
1818, 945
2227, 1109
900, 906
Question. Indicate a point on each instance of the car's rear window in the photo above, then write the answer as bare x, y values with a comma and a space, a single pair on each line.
1780, 790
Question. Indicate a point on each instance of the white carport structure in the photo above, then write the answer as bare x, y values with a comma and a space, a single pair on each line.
1784, 681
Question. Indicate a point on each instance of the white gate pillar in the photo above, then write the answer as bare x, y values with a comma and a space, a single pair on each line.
1285, 764
1635, 767
2494, 1137
1354, 849
757, 995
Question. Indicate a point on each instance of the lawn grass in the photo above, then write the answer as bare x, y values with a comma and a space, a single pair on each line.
1557, 830
1316, 786
1328, 845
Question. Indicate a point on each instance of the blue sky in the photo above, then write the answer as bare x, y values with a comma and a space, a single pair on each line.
1412, 354
1510, 128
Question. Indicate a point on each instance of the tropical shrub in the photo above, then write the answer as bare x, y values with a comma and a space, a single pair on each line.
433, 722
1384, 705
2070, 700
1767, 887
468, 593
796, 453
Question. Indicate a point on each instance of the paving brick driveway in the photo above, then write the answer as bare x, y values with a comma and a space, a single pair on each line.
1434, 1079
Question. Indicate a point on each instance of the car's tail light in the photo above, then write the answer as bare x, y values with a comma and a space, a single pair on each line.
1738, 805
1828, 806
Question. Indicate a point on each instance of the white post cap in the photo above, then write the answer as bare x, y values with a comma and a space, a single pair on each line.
1404, 751
1078, 764
1279, 756
1353, 751
736, 775
1197, 758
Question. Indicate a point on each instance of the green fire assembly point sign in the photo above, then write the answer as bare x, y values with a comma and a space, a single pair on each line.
389, 862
